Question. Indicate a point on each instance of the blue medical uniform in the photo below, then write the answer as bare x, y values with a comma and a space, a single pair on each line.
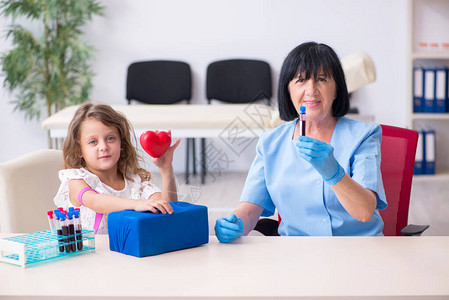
280, 178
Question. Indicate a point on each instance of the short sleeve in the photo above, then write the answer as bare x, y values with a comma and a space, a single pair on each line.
62, 197
366, 165
255, 189
142, 189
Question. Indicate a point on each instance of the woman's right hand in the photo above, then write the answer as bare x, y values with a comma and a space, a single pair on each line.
321, 156
228, 228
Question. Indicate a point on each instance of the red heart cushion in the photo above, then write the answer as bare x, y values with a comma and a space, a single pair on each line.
155, 144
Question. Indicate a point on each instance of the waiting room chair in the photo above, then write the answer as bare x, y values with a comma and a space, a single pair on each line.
236, 81
162, 82
28, 185
398, 148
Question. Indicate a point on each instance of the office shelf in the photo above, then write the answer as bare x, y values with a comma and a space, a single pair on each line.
425, 17
431, 55
442, 176
427, 116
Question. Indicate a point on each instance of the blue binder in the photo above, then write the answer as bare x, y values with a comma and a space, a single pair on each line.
447, 89
441, 90
418, 86
419, 157
429, 91
429, 151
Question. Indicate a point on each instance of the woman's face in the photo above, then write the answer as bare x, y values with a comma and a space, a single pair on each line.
316, 94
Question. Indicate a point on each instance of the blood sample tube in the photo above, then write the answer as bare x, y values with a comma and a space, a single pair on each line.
302, 120
65, 232
51, 221
59, 230
71, 228
78, 229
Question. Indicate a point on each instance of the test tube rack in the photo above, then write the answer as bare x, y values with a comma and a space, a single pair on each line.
42, 246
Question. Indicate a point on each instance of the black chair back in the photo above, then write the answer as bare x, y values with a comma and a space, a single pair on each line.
238, 81
159, 82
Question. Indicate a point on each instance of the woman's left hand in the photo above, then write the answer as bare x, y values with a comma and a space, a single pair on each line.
321, 156
165, 161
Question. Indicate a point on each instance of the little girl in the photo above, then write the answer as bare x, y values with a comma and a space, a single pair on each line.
101, 169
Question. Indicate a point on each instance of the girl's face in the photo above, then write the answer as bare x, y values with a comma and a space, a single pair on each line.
100, 146
316, 94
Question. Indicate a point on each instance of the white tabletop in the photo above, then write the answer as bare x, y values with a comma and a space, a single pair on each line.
184, 120
195, 120
256, 267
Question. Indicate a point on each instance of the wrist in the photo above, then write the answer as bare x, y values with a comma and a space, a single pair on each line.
337, 176
168, 170
134, 204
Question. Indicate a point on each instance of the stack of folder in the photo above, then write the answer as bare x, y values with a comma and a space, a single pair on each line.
425, 152
430, 89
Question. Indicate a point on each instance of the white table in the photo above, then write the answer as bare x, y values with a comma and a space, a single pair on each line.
196, 120
184, 120
271, 267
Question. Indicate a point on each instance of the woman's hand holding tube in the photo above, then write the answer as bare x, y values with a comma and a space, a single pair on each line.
228, 228
321, 156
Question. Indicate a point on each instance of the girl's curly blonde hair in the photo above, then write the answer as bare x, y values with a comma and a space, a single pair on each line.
128, 162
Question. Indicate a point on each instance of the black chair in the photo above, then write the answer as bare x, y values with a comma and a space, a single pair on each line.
162, 82
236, 81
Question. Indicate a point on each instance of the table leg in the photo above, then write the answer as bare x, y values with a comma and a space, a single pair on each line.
187, 161
203, 160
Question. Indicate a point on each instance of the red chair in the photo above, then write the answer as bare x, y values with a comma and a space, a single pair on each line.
398, 148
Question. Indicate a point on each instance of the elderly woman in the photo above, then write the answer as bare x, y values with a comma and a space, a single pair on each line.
327, 182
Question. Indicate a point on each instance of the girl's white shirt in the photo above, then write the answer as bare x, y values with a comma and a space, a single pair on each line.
136, 189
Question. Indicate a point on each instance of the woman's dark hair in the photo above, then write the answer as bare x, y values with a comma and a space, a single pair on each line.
309, 59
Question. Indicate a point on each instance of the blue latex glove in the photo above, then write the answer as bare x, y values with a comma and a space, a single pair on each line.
321, 156
228, 228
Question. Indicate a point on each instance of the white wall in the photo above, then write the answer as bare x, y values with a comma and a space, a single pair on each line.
201, 31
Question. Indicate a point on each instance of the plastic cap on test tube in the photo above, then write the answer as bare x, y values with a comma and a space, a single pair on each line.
302, 109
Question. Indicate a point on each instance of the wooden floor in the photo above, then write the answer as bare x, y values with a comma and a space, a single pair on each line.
221, 194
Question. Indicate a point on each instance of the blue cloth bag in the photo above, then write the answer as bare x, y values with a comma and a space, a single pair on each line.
145, 233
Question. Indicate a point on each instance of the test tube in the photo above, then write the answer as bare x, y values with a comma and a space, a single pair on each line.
71, 228
65, 232
302, 120
78, 229
51, 221
59, 230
